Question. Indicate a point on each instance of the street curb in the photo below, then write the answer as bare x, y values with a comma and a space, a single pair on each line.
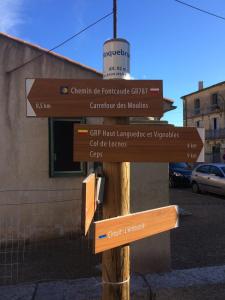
199, 283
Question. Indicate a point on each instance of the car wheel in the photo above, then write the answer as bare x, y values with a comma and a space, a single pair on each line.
195, 188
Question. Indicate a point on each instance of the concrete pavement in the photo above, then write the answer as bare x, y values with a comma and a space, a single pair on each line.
191, 284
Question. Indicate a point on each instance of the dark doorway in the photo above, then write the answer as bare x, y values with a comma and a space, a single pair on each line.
61, 152
216, 153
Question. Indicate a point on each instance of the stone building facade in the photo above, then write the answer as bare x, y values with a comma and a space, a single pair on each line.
206, 108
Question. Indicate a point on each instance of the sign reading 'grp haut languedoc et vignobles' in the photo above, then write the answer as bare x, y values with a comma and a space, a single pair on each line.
138, 143
93, 97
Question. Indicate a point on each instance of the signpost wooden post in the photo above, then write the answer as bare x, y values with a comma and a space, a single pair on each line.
116, 262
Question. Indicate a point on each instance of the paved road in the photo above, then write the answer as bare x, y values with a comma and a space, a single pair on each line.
200, 239
198, 242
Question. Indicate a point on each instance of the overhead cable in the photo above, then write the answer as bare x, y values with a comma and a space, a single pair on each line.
61, 44
200, 9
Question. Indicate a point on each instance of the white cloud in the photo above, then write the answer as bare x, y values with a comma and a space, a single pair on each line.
11, 15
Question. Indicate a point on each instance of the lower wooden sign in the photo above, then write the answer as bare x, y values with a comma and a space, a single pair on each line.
114, 232
88, 202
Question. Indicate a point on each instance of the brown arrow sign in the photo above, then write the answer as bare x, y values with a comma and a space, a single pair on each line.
93, 97
114, 232
138, 143
88, 202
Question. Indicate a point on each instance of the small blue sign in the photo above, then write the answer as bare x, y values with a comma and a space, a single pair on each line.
102, 236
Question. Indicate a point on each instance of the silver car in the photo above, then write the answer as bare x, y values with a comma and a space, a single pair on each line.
209, 178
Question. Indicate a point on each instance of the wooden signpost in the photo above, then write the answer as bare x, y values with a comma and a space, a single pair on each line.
88, 202
93, 97
114, 145
138, 143
114, 232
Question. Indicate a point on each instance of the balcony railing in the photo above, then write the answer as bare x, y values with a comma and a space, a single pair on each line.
215, 134
204, 111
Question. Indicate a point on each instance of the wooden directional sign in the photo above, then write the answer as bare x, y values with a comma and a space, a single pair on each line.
88, 202
138, 143
114, 232
93, 97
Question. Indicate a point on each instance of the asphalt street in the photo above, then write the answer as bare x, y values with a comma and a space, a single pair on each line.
199, 240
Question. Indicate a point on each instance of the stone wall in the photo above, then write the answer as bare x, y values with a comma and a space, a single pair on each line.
32, 204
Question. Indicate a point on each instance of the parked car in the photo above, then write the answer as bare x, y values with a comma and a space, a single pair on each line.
179, 174
209, 178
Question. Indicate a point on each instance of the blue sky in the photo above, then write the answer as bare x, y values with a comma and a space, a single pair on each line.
169, 41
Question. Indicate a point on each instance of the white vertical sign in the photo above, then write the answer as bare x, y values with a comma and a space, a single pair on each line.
116, 59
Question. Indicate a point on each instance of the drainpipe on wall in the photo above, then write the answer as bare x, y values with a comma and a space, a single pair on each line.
184, 112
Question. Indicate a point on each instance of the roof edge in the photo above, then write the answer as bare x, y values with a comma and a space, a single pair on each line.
204, 89
5, 35
168, 100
